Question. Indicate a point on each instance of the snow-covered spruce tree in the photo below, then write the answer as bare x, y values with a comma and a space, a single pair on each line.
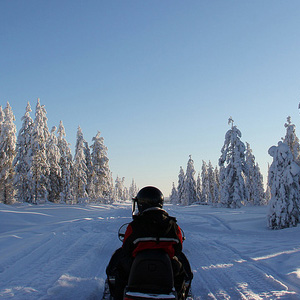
253, 180
205, 183
217, 186
54, 157
79, 169
268, 189
133, 190
23, 159
65, 163
125, 193
198, 188
119, 189
267, 195
181, 186
233, 168
174, 195
39, 169
101, 172
190, 184
292, 140
260, 191
285, 190
111, 193
211, 183
89, 172
7, 156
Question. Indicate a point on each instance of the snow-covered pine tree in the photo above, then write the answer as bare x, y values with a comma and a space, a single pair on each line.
7, 156
285, 190
119, 189
253, 180
181, 186
233, 168
292, 140
217, 186
79, 169
174, 195
211, 183
65, 163
89, 172
23, 158
133, 190
268, 189
53, 154
39, 169
259, 193
111, 192
101, 178
267, 195
205, 183
198, 188
190, 184
125, 193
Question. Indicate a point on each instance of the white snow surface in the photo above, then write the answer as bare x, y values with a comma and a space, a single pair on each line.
61, 252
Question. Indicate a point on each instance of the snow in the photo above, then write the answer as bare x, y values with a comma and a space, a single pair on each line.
61, 252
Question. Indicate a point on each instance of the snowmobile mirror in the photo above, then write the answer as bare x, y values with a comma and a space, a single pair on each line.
183, 234
134, 206
121, 232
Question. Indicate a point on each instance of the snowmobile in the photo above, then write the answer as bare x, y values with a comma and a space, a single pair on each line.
150, 277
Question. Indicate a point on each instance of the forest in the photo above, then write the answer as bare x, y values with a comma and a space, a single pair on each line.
37, 166
237, 180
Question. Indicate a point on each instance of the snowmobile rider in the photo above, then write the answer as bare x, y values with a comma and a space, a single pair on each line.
151, 228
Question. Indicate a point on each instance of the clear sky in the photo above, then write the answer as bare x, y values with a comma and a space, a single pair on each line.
159, 79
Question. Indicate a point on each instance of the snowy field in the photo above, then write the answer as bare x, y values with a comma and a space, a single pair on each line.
61, 252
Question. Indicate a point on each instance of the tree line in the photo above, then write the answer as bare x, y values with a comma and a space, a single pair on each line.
37, 165
237, 180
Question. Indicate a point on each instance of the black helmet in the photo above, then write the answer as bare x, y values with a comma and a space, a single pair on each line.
148, 197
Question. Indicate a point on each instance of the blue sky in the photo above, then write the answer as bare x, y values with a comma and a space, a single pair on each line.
159, 79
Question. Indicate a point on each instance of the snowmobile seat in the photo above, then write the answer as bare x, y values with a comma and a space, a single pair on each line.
151, 272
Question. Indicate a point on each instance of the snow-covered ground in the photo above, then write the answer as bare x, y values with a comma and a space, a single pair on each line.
61, 252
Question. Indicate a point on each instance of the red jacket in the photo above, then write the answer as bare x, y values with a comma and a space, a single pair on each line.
153, 229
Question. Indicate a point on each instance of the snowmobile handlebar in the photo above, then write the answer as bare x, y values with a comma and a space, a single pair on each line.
121, 232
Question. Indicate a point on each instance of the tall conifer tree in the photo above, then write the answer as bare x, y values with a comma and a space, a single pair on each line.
217, 186
205, 183
80, 169
285, 190
198, 188
181, 186
190, 183
174, 195
23, 158
254, 179
292, 140
54, 156
65, 164
39, 171
233, 168
211, 183
7, 156
133, 190
100, 165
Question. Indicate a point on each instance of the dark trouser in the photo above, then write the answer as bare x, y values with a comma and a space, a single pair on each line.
119, 268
